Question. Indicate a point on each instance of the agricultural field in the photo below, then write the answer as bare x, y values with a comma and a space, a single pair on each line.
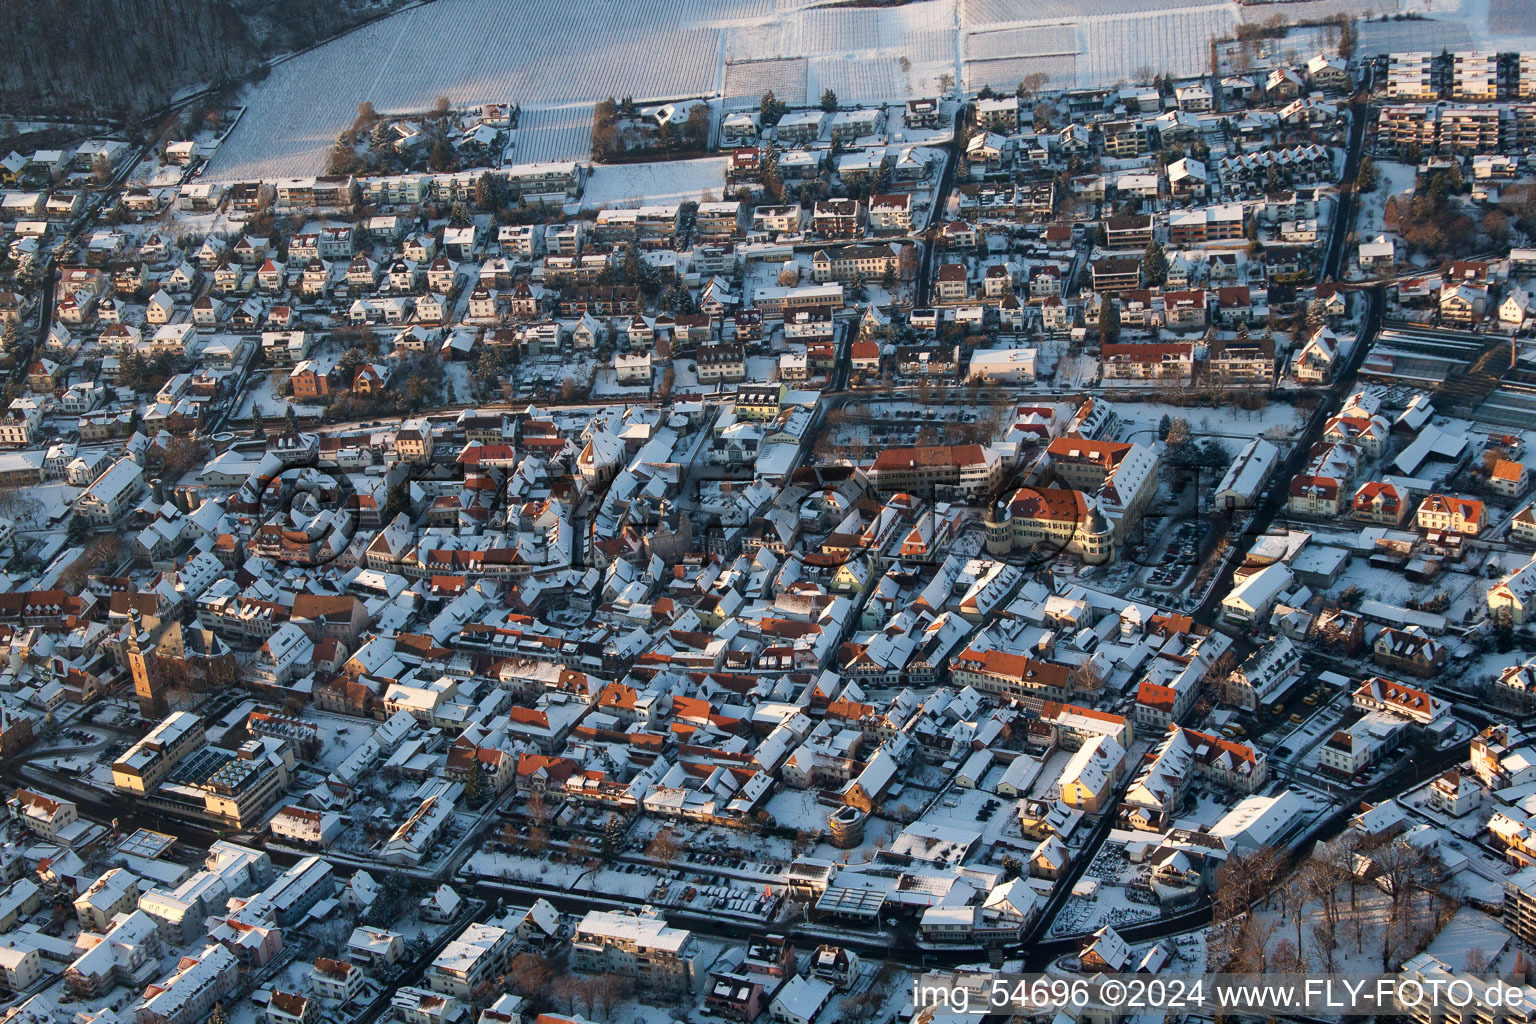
555, 60
539, 53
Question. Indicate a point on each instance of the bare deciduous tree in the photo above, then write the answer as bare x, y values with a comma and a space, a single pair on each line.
665, 847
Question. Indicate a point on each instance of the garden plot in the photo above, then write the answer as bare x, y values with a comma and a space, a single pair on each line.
1138, 420
858, 81
1104, 895
762, 41
1302, 11
1511, 18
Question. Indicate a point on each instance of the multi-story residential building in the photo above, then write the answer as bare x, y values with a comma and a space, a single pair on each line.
115, 892
720, 364
966, 470
641, 946
656, 226
1408, 650
43, 814
1398, 126
999, 114
335, 981
1205, 224
778, 220
951, 283
1013, 676
799, 127
837, 218
1124, 139
1447, 513
890, 212
1519, 908
1381, 503
1128, 231
109, 497
1475, 76
1153, 361
1237, 361
1112, 274
1410, 76
189, 992
471, 963
1470, 129
1508, 478
717, 222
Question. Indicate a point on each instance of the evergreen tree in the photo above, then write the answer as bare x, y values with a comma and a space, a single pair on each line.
292, 419
613, 836
441, 156
1163, 426
1154, 264
1109, 320
487, 191
488, 370
397, 501
771, 110
1367, 178
474, 791
258, 425
829, 101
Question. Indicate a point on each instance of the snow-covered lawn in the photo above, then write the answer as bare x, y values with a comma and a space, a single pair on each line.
1235, 426
1396, 179
673, 181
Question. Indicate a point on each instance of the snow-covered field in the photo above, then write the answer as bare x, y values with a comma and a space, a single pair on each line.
553, 135
676, 181
533, 52
1397, 36
555, 58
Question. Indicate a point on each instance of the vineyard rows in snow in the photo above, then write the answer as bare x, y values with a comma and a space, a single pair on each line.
555, 58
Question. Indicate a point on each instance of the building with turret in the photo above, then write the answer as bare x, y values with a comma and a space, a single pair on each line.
1051, 518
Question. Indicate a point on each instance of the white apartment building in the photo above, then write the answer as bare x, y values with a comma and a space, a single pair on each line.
642, 946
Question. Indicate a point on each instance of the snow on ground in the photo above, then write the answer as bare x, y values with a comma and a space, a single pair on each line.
1399, 36
675, 181
1396, 179
553, 135
1111, 901
547, 54
39, 507
1139, 421
1466, 591
533, 52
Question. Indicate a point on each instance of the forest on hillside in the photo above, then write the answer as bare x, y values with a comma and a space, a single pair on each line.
108, 57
